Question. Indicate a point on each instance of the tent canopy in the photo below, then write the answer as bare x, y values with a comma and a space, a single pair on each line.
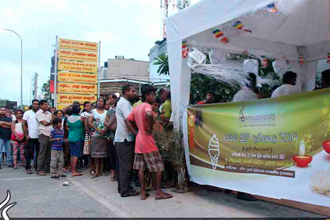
299, 27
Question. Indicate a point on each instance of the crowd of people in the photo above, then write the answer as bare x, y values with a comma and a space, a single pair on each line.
112, 136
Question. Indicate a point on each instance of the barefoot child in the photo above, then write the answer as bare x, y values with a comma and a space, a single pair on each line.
57, 161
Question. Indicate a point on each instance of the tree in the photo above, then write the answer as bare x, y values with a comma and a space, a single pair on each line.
46, 90
162, 61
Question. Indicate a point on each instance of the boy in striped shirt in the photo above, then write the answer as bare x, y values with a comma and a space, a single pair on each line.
57, 161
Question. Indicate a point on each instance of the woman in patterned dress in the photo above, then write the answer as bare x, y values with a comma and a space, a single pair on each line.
99, 142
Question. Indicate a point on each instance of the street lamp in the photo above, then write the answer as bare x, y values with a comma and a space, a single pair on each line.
4, 29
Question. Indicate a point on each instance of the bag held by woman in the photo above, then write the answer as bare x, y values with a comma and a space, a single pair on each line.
87, 144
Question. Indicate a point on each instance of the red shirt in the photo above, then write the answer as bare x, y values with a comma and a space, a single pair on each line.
144, 143
201, 103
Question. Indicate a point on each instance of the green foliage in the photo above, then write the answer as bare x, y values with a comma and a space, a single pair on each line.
46, 90
171, 148
170, 145
162, 62
201, 84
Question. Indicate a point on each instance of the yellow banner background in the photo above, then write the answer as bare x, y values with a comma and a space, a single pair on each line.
60, 107
68, 99
77, 77
77, 88
77, 55
77, 45
77, 66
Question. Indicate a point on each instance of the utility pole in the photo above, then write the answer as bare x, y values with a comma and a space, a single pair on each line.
175, 5
164, 4
35, 86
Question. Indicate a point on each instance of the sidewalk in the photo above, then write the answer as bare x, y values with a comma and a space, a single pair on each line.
200, 203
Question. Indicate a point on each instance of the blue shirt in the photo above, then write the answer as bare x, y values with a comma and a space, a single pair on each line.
5, 132
57, 145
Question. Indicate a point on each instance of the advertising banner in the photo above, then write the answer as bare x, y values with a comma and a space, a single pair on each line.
51, 86
77, 77
68, 99
77, 66
77, 45
77, 55
77, 88
277, 148
60, 107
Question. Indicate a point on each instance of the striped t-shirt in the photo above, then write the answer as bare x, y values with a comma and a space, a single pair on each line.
57, 145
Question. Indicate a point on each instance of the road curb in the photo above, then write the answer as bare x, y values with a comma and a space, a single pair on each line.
117, 210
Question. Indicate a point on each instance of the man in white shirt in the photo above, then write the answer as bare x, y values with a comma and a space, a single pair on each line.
289, 85
31, 132
44, 118
125, 144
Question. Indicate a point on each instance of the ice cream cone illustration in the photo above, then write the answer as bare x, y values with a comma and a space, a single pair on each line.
214, 151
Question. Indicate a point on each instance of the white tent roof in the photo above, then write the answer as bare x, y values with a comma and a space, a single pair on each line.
304, 22
301, 26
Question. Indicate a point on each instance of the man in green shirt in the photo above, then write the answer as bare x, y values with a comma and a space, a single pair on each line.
167, 109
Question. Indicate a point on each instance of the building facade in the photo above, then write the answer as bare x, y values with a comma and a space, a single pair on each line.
126, 68
120, 71
9, 104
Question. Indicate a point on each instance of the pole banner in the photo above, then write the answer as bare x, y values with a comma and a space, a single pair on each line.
276, 147
77, 88
77, 45
68, 99
77, 55
78, 72
77, 77
77, 66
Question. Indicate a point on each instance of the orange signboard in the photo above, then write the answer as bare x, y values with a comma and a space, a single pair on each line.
77, 77
77, 66
68, 99
77, 88
60, 107
77, 45
77, 55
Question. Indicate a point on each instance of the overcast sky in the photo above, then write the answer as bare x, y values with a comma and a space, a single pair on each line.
125, 27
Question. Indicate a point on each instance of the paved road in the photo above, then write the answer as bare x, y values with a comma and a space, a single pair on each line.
44, 197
